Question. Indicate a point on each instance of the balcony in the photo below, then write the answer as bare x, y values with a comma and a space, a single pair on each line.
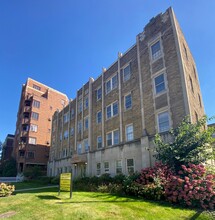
25, 120
82, 158
27, 109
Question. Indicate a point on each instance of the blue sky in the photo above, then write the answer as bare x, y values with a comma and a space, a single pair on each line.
61, 43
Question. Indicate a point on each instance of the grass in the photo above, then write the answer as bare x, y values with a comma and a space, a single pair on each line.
46, 204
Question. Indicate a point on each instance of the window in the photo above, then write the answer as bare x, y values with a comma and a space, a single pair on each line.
200, 103
99, 117
79, 107
86, 103
112, 138
86, 145
163, 122
72, 113
61, 136
86, 123
72, 131
79, 147
111, 84
130, 166
32, 140
109, 139
66, 135
65, 118
191, 84
156, 50
118, 166
33, 128
34, 115
79, 126
98, 169
129, 132
30, 155
185, 51
159, 84
64, 153
86, 91
99, 142
128, 102
25, 127
36, 87
126, 73
116, 137
36, 104
112, 110
106, 167
99, 93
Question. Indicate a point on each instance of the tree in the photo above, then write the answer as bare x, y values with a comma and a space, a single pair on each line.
191, 144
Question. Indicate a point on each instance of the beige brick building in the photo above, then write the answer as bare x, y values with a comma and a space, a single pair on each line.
37, 105
110, 125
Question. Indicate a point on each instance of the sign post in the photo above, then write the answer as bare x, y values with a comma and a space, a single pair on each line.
66, 183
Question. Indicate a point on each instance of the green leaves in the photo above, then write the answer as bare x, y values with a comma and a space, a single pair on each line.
191, 144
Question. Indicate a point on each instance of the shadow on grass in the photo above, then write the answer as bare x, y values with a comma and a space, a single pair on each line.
47, 197
196, 215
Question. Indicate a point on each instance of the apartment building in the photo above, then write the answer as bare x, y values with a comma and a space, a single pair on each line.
110, 125
37, 105
7, 148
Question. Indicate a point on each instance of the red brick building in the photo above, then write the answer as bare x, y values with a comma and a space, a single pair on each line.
7, 148
37, 104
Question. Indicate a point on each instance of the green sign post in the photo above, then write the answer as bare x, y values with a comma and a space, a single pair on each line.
66, 183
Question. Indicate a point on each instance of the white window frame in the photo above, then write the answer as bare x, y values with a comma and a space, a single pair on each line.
165, 84
127, 167
158, 125
79, 126
36, 103
33, 128
159, 53
86, 147
86, 118
35, 113
123, 73
126, 135
118, 167
86, 102
97, 121
79, 148
30, 140
111, 84
98, 142
112, 114
97, 98
65, 134
129, 94
112, 137
98, 169
106, 168
80, 106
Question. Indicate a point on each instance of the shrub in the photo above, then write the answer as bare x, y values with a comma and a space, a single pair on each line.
6, 190
192, 187
32, 172
55, 180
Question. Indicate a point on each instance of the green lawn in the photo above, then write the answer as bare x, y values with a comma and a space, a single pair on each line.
46, 204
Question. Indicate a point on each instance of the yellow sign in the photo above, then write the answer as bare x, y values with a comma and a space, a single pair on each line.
66, 183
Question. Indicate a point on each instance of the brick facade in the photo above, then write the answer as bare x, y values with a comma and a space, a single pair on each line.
148, 90
38, 103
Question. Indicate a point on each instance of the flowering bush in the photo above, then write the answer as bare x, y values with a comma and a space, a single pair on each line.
192, 187
6, 190
149, 183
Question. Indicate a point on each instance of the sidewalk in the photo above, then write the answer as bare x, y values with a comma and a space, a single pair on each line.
30, 189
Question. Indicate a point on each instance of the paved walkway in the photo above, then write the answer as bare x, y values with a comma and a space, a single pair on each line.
30, 189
